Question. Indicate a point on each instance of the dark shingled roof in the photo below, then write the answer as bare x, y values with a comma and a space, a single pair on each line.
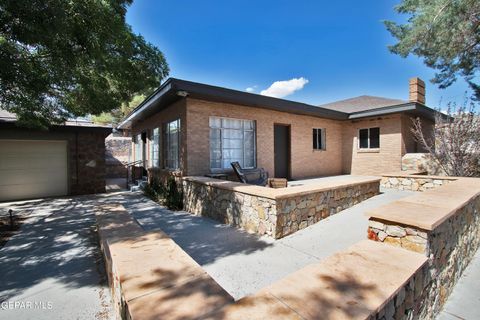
361, 103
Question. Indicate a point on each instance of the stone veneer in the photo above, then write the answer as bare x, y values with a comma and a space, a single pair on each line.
421, 162
274, 212
413, 182
298, 212
450, 244
117, 155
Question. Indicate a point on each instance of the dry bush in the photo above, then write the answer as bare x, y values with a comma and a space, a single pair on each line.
455, 143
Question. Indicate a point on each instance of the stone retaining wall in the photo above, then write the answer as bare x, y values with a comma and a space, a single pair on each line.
150, 276
117, 155
421, 162
296, 213
252, 213
271, 215
413, 182
450, 245
405, 303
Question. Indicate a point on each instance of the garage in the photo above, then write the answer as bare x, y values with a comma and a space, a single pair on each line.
33, 169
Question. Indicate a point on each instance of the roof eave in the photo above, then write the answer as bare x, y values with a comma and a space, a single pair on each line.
173, 86
409, 107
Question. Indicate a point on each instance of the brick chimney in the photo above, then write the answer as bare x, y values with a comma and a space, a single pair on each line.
417, 90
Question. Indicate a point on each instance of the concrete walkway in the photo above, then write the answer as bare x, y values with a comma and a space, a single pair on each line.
53, 269
464, 302
243, 263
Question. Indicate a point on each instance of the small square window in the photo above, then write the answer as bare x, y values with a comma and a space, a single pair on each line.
369, 138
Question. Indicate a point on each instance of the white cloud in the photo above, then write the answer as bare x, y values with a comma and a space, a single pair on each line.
251, 89
280, 89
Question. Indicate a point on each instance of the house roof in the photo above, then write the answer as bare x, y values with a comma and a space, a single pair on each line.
8, 119
362, 103
175, 89
7, 116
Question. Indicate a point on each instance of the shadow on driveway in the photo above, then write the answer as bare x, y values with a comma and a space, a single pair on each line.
55, 258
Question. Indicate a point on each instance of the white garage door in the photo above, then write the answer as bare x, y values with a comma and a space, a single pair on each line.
32, 169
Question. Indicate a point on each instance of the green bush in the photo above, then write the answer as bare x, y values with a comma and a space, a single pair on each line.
173, 196
154, 190
168, 194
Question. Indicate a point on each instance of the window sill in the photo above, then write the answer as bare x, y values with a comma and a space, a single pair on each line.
376, 150
319, 150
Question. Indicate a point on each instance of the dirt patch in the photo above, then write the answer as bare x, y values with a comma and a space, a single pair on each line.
9, 226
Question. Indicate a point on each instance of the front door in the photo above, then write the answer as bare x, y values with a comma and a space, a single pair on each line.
282, 150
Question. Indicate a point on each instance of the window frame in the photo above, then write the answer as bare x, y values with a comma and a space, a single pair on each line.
166, 144
368, 139
243, 130
155, 155
323, 139
138, 153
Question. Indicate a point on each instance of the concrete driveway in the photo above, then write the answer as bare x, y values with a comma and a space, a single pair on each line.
243, 263
53, 269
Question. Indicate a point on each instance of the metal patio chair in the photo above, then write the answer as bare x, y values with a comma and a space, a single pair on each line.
256, 176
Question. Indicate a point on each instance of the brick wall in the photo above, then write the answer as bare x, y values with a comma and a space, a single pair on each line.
305, 161
173, 112
86, 154
409, 145
341, 155
87, 163
387, 158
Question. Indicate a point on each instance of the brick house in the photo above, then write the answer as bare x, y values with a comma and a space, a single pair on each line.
67, 159
187, 128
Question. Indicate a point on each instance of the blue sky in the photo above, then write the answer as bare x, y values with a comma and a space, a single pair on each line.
340, 47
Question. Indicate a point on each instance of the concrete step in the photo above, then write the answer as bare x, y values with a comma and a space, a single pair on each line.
138, 185
135, 188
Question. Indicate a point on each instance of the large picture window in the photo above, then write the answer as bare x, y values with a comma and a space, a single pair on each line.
369, 138
232, 140
172, 144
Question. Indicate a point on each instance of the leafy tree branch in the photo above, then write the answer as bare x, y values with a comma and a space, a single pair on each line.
61, 59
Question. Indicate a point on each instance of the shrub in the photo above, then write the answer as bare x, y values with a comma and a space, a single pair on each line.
168, 194
154, 190
173, 196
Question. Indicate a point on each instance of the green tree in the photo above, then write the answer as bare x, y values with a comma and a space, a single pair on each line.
62, 59
115, 116
446, 34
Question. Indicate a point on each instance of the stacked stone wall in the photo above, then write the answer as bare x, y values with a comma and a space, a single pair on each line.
117, 155
275, 217
450, 247
296, 213
413, 183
